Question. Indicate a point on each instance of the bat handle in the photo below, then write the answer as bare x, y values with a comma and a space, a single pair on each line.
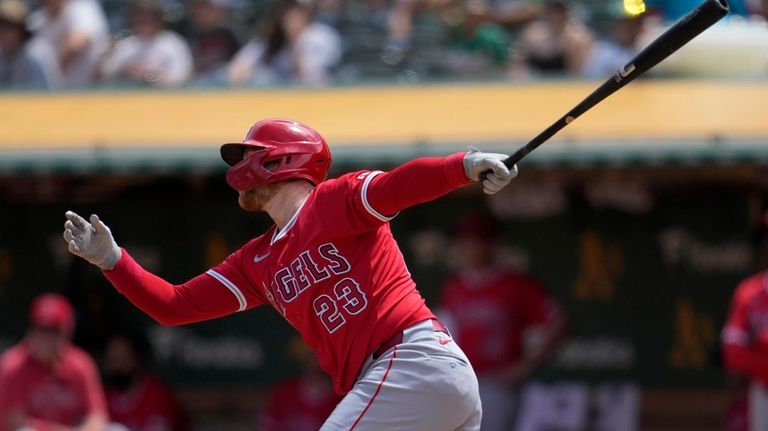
511, 160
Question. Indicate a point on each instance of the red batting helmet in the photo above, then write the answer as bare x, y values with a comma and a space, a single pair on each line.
285, 149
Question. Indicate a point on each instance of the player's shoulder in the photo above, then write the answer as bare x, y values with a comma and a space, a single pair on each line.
341, 187
13, 359
752, 285
260, 240
348, 180
245, 253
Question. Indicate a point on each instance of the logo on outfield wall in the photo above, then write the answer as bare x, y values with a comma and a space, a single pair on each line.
600, 263
694, 336
683, 249
190, 350
596, 353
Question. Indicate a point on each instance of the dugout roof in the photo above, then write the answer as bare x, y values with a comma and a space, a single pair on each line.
671, 121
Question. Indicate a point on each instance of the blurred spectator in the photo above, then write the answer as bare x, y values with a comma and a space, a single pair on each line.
555, 43
475, 45
212, 41
513, 13
400, 21
22, 64
745, 344
329, 12
505, 321
402, 26
152, 55
297, 49
136, 398
77, 32
609, 55
302, 403
46, 383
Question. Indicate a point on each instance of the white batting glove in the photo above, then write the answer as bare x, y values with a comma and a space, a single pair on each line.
92, 241
477, 162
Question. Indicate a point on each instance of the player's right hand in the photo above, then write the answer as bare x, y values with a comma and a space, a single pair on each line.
92, 241
497, 175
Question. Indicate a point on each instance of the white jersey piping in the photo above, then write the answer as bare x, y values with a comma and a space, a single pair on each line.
364, 194
232, 288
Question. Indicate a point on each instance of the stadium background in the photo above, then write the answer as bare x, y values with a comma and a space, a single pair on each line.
640, 217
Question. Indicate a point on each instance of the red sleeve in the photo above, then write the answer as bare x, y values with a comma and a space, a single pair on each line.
220, 291
738, 351
420, 180
362, 201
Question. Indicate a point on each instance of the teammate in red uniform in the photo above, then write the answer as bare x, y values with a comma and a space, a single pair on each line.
136, 397
745, 344
301, 403
46, 383
489, 310
331, 267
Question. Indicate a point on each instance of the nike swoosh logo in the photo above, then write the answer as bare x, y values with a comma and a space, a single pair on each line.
444, 341
258, 258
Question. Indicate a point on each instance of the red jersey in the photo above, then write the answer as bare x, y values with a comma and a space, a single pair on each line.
147, 405
334, 271
745, 336
489, 315
299, 405
64, 395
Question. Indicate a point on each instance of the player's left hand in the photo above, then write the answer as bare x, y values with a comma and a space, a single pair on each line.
92, 240
476, 162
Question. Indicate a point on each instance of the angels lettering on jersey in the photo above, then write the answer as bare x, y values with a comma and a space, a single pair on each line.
308, 269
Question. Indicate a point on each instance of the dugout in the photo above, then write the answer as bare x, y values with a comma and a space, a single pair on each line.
639, 217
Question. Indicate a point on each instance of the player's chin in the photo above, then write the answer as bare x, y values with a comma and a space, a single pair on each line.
247, 202
254, 199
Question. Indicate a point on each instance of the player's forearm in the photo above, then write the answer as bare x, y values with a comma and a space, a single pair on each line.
420, 180
160, 299
744, 360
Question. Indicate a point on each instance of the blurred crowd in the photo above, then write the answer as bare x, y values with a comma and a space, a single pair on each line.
66, 44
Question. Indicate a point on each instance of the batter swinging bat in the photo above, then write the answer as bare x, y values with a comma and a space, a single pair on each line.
670, 41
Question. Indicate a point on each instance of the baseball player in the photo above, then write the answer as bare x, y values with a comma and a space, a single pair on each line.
46, 382
491, 310
331, 267
745, 344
